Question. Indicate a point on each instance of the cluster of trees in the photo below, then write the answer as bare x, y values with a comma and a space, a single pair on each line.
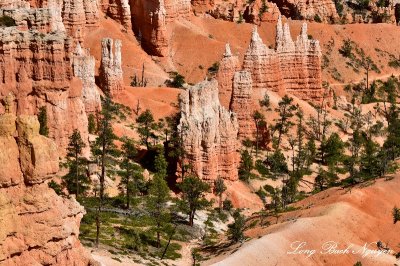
163, 149
364, 148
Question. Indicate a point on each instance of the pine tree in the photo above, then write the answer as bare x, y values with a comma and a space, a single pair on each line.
396, 215
219, 189
105, 151
91, 124
76, 180
131, 173
286, 112
156, 204
235, 229
246, 166
193, 198
260, 122
146, 127
42, 117
159, 196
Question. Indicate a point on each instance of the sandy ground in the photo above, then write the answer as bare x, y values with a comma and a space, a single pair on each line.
362, 215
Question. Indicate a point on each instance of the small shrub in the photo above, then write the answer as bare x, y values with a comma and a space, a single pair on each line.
56, 187
214, 68
347, 48
7, 21
91, 124
317, 18
42, 117
227, 205
176, 80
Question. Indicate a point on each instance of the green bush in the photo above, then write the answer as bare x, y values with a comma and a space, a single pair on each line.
317, 18
176, 80
7, 21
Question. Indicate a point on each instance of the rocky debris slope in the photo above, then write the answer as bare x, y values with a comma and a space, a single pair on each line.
37, 227
209, 133
111, 77
36, 68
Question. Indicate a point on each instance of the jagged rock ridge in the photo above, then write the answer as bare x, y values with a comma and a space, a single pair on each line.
209, 133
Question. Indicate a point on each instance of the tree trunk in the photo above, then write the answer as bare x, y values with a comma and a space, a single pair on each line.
257, 140
127, 192
76, 175
220, 202
169, 241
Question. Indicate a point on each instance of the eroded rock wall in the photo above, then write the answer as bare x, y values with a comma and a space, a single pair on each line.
37, 227
292, 67
264, 65
111, 75
83, 65
227, 68
119, 10
36, 68
242, 104
300, 63
325, 10
209, 133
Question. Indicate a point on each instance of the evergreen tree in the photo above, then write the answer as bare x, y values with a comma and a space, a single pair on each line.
277, 163
42, 117
146, 127
286, 112
76, 180
332, 150
105, 151
235, 229
158, 198
396, 215
219, 189
131, 173
193, 198
260, 122
246, 166
91, 124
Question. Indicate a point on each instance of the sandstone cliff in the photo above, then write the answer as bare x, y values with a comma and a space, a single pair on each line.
209, 133
325, 10
242, 104
150, 19
83, 65
77, 16
111, 77
300, 63
150, 25
119, 10
264, 65
292, 67
36, 69
227, 68
37, 227
44, 20
239, 10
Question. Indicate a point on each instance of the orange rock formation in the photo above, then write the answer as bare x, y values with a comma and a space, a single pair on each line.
37, 227
209, 133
